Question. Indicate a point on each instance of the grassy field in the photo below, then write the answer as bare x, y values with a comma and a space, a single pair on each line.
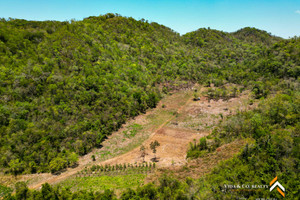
101, 183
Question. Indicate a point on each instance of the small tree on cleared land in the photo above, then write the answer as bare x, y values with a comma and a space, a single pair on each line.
93, 157
143, 152
153, 146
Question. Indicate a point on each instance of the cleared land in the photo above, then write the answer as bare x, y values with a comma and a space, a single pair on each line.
176, 121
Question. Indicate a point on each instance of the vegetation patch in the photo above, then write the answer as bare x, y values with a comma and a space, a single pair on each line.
101, 183
5, 191
132, 130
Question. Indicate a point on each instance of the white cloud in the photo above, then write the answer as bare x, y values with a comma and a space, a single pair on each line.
298, 12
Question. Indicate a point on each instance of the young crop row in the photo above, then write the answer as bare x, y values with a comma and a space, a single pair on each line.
117, 169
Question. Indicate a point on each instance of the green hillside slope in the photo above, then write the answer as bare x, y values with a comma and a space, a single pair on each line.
65, 86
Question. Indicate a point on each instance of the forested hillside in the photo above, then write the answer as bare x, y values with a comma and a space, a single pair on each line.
65, 86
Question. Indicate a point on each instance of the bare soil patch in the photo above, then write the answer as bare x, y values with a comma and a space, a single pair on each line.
201, 166
205, 114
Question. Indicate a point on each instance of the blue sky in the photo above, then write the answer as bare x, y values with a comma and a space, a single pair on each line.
280, 17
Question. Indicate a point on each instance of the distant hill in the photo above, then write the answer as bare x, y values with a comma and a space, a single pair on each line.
205, 37
254, 35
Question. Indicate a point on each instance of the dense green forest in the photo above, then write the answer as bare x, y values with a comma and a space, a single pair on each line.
65, 86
